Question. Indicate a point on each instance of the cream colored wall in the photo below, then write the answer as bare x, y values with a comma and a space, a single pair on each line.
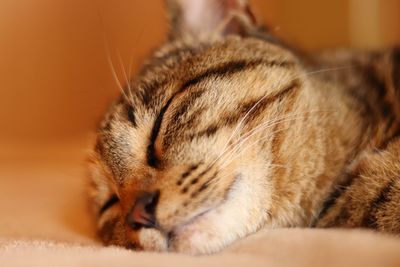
374, 23
312, 24
366, 23
391, 21
55, 80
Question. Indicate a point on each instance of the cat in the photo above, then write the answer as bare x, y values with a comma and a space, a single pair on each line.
226, 130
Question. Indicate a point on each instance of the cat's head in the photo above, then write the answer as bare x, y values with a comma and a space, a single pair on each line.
182, 159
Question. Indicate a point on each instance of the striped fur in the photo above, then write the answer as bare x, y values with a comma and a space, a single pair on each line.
238, 133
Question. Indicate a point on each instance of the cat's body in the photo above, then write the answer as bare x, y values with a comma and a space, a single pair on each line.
222, 136
367, 194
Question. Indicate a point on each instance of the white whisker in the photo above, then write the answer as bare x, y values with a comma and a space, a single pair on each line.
128, 83
109, 57
236, 152
238, 155
239, 126
266, 125
130, 66
114, 73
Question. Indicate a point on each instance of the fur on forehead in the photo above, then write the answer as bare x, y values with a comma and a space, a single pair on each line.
201, 18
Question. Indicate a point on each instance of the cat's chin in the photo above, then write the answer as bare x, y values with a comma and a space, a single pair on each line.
153, 240
194, 238
208, 232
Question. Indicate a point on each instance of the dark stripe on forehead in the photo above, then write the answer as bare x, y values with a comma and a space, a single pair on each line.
285, 91
186, 104
256, 107
228, 68
179, 119
234, 67
149, 92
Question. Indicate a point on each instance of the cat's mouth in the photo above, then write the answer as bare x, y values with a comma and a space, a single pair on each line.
182, 234
192, 232
156, 239
177, 230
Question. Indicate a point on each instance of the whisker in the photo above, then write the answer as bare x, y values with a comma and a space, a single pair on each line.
326, 70
219, 178
233, 153
239, 145
266, 125
237, 128
128, 83
109, 57
132, 53
229, 160
114, 73
249, 134
238, 154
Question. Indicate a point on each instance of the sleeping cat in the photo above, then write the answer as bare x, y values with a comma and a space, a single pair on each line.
226, 131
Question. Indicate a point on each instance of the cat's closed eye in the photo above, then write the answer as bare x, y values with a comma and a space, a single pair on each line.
112, 201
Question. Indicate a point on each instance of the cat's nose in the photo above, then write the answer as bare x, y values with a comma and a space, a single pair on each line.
142, 213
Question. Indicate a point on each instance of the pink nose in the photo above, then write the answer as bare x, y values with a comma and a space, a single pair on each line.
142, 213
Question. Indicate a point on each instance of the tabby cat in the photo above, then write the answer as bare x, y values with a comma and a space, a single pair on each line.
226, 131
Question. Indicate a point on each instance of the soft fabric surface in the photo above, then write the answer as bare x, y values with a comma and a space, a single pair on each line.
44, 222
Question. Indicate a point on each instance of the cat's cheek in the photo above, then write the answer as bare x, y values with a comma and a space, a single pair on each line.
242, 213
194, 242
198, 239
153, 240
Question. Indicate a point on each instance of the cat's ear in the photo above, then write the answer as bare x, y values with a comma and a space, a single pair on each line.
199, 18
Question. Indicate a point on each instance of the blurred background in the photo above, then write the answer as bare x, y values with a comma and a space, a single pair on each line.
55, 80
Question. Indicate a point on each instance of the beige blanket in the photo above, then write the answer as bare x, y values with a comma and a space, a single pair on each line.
44, 223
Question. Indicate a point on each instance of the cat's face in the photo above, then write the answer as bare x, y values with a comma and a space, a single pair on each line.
182, 160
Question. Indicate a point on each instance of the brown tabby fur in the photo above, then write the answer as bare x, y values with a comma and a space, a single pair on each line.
239, 133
